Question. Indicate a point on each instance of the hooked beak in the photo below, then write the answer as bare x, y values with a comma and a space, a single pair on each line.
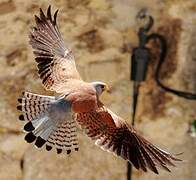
107, 89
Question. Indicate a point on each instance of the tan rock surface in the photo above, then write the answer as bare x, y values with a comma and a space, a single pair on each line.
98, 31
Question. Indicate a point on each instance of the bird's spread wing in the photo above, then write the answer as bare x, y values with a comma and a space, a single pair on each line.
56, 64
115, 135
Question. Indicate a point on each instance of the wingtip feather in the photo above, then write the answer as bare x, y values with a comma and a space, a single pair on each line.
55, 16
37, 19
42, 15
49, 13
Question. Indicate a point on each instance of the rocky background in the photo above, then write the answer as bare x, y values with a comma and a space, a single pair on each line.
101, 33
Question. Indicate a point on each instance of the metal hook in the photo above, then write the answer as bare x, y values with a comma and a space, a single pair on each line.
144, 20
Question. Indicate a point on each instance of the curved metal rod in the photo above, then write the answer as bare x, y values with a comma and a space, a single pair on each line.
163, 43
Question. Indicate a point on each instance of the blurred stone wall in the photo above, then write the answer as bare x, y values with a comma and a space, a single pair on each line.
99, 32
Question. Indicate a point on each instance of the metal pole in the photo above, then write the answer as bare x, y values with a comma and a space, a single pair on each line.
139, 64
129, 171
134, 105
136, 86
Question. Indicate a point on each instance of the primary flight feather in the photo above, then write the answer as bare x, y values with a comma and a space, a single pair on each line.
52, 120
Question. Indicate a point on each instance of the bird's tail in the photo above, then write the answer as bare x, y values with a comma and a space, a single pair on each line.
131, 146
49, 121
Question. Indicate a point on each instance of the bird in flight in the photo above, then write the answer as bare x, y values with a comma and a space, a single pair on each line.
52, 121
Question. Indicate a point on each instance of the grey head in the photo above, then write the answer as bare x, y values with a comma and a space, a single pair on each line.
100, 87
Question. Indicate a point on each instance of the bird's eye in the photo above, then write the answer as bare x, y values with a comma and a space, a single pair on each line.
102, 87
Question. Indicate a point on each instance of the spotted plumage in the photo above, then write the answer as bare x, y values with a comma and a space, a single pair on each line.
51, 120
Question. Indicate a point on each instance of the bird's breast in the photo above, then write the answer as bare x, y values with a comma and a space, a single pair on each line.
82, 101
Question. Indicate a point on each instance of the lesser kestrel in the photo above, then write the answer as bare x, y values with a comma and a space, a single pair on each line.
52, 120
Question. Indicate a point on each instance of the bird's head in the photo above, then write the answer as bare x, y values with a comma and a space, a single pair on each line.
100, 87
